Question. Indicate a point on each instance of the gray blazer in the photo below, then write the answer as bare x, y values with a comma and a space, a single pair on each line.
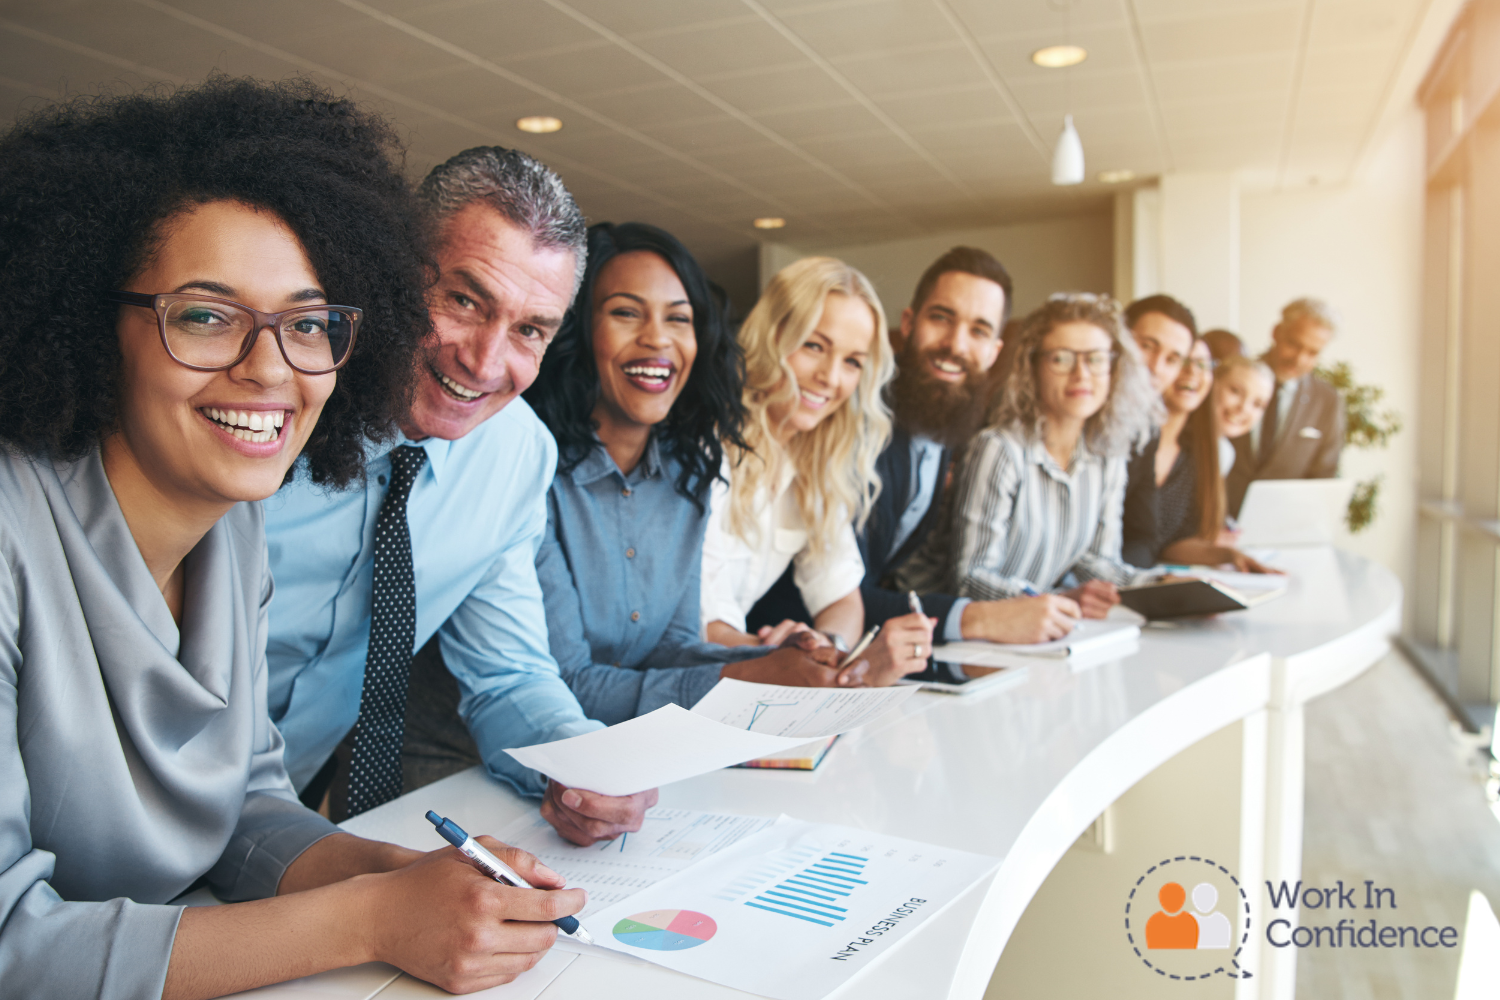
1307, 445
134, 758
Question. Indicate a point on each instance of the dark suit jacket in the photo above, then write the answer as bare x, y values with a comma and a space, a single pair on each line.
1308, 448
894, 468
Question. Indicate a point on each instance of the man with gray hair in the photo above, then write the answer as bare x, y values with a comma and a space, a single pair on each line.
1302, 431
440, 542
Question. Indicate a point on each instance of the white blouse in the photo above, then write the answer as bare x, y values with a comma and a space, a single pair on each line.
737, 574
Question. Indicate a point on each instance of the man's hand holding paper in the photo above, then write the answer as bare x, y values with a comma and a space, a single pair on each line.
735, 722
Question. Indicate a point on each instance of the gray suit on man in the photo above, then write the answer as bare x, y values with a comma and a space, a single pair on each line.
1307, 442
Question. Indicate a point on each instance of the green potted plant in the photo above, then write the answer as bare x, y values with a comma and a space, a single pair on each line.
1366, 427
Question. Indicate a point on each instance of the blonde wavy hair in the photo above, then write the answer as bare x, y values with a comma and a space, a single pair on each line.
1131, 410
834, 462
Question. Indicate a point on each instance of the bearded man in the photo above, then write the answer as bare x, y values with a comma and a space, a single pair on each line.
950, 337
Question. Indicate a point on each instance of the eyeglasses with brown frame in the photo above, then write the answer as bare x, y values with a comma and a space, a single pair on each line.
210, 334
1062, 361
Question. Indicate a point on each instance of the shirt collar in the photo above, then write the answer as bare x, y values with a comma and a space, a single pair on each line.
598, 464
1039, 455
437, 450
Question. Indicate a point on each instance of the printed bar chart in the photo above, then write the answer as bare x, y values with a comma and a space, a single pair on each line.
813, 894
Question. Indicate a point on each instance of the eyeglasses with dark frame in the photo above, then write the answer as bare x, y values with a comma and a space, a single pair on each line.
1062, 361
210, 334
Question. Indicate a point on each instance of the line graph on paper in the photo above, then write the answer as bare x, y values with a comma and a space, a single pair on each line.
669, 840
760, 708
805, 713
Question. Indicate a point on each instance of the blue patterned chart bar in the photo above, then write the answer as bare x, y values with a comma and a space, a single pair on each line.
814, 893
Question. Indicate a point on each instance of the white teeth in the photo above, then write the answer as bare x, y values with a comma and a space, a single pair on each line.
647, 371
948, 366
460, 391
813, 399
258, 426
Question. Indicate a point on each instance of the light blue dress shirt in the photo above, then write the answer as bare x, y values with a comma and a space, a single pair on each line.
477, 513
620, 571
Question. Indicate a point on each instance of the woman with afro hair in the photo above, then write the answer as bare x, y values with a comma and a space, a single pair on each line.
198, 287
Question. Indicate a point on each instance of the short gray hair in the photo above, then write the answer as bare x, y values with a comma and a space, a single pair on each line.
522, 189
1311, 310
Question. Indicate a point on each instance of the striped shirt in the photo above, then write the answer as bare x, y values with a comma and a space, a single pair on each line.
1020, 521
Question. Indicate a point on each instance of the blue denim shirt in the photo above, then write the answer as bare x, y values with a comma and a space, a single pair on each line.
477, 513
619, 569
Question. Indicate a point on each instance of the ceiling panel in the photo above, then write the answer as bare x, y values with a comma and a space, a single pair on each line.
875, 119
660, 16
495, 31
881, 26
1217, 33
721, 48
893, 72
768, 88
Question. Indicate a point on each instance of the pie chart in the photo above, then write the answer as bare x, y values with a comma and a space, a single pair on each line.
665, 930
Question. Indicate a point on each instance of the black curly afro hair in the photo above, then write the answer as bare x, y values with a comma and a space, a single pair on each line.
85, 187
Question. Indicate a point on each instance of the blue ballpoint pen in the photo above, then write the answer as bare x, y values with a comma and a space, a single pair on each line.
1030, 591
497, 869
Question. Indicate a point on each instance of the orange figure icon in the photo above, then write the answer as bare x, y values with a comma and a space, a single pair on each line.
1171, 928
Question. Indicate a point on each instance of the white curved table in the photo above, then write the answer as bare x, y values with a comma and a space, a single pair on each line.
1021, 772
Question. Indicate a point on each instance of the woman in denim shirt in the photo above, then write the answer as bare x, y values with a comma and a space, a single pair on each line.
640, 387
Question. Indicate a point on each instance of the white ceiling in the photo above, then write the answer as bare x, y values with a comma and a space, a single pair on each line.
854, 119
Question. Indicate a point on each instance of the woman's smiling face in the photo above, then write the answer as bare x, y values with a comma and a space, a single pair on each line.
827, 365
643, 338
1241, 394
230, 435
1081, 392
1192, 385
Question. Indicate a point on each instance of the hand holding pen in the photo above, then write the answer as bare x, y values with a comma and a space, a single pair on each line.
482, 859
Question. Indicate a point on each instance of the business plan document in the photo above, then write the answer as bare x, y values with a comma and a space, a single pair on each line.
739, 721
668, 841
791, 912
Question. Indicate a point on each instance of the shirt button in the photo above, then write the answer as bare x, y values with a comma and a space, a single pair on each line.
380, 480
625, 492
635, 616
630, 553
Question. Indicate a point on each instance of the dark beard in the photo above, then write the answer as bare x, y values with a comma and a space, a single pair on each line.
947, 412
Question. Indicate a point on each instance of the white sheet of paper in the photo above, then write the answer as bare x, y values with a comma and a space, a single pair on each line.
825, 902
804, 713
671, 743
669, 840
1089, 634
527, 986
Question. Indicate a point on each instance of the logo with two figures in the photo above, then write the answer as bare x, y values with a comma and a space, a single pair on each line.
1188, 918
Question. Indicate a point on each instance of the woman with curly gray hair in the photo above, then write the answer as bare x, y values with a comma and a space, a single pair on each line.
1040, 493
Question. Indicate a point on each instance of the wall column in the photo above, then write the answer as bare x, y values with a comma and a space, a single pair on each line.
1199, 253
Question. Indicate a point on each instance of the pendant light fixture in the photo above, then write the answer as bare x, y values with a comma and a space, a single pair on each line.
1067, 155
1067, 158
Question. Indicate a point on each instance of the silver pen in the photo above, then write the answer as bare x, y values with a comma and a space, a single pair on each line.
860, 646
497, 869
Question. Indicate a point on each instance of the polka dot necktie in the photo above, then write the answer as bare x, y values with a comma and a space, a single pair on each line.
375, 765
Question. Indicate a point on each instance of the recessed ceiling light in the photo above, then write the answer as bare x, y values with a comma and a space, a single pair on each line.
1059, 56
769, 222
1116, 176
539, 123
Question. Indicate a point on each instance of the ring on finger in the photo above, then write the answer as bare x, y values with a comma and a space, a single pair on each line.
916, 651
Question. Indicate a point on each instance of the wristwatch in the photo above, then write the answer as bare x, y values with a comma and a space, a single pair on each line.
839, 642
